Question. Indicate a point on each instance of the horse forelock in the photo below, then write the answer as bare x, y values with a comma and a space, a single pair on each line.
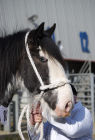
51, 49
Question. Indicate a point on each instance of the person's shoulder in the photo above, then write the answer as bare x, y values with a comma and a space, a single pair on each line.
80, 106
87, 114
82, 113
81, 109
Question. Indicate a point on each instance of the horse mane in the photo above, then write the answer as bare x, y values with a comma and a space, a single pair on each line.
11, 47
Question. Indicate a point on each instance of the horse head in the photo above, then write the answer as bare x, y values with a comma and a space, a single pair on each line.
50, 65
19, 74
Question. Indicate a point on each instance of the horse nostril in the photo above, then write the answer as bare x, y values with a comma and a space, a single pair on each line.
68, 106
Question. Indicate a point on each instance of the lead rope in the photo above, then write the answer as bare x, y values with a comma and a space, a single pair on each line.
43, 87
26, 109
42, 84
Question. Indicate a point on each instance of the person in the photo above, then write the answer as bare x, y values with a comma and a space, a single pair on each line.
77, 126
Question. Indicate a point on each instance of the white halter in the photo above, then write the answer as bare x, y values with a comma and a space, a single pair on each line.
42, 88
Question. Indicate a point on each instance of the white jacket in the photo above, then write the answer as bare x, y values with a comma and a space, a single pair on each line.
78, 126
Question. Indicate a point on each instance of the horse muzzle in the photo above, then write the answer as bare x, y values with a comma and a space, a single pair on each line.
64, 112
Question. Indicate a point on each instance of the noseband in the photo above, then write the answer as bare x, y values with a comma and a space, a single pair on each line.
43, 87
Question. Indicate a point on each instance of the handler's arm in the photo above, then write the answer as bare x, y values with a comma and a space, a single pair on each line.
74, 128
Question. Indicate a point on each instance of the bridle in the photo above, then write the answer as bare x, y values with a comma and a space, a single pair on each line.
43, 88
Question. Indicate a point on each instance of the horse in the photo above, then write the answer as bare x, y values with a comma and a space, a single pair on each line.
16, 72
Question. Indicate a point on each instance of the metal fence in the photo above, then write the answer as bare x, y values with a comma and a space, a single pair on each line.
85, 85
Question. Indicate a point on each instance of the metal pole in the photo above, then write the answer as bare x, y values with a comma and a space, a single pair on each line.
89, 66
92, 95
16, 99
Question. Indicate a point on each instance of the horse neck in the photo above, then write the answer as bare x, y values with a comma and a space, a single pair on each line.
11, 48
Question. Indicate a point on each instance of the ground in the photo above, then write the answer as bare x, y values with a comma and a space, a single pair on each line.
15, 136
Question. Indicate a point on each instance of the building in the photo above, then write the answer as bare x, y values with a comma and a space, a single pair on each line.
75, 25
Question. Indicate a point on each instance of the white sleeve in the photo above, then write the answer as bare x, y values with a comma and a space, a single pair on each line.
74, 128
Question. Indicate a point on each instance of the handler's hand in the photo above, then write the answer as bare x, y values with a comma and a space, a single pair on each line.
36, 115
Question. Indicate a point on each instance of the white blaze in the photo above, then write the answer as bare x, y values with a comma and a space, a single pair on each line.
57, 73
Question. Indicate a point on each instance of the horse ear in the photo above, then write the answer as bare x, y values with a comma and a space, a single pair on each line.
40, 29
51, 30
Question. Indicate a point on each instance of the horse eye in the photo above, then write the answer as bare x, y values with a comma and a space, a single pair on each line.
43, 59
